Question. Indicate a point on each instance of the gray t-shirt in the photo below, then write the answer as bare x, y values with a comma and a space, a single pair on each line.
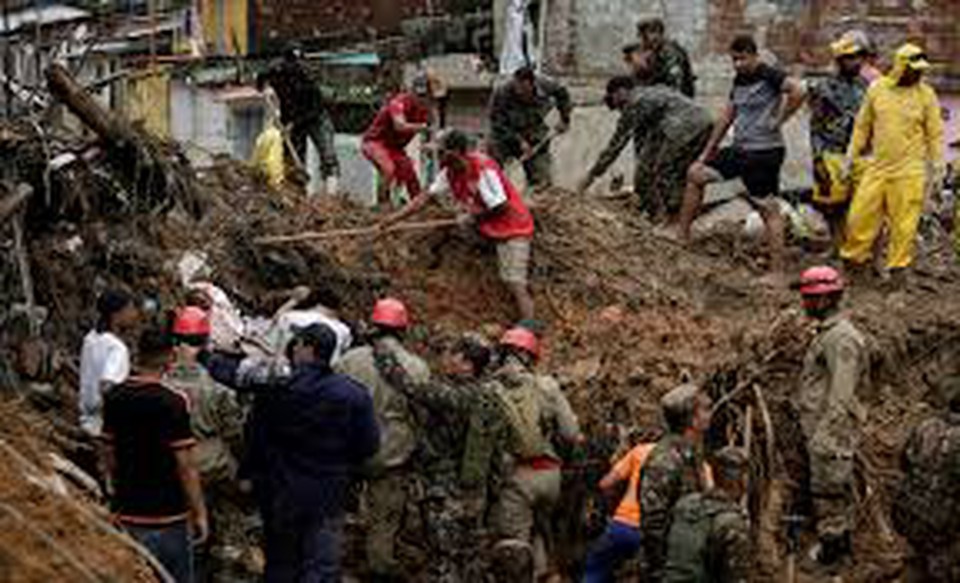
756, 102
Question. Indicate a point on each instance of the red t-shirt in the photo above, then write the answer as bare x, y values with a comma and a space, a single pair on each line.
382, 129
482, 187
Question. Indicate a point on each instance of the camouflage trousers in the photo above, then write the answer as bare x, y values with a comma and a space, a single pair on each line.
451, 530
660, 171
386, 503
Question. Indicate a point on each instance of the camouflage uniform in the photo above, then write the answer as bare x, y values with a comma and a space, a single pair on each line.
709, 541
390, 486
670, 66
217, 421
926, 508
834, 367
677, 126
532, 485
672, 471
457, 460
834, 104
513, 119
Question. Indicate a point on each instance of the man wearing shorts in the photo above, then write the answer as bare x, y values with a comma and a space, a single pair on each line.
479, 186
763, 98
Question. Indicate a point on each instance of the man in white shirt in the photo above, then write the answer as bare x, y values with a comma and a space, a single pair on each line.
104, 358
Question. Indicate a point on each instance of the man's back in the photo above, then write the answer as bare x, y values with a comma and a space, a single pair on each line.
145, 423
392, 408
708, 541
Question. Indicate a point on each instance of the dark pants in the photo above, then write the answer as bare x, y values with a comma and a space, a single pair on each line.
302, 549
617, 544
320, 131
170, 545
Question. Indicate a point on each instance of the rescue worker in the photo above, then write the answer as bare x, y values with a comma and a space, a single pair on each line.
216, 420
620, 540
540, 418
669, 62
830, 414
489, 200
763, 98
834, 103
459, 458
672, 470
311, 431
518, 130
926, 505
390, 484
401, 118
304, 112
681, 128
900, 125
709, 539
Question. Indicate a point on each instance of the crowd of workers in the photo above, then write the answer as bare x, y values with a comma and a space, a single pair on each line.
478, 448
197, 423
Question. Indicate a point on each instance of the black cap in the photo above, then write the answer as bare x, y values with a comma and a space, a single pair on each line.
320, 336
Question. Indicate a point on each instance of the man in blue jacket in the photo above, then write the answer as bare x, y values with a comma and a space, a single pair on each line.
309, 434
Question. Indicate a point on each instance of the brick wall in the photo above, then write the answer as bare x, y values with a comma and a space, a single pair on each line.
589, 33
278, 20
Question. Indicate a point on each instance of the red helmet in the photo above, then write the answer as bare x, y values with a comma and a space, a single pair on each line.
820, 280
191, 321
390, 313
522, 338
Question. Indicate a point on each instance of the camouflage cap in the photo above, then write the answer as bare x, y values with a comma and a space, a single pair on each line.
731, 463
678, 404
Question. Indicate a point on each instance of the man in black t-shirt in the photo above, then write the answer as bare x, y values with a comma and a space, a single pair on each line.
156, 494
763, 98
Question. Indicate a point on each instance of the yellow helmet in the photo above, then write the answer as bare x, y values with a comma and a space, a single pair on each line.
912, 56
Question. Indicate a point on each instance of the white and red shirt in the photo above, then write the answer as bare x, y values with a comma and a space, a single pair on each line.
483, 187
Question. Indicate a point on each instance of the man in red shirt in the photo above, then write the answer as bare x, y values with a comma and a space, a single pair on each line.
396, 124
490, 201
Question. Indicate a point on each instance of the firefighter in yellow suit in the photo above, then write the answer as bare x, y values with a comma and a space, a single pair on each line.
900, 125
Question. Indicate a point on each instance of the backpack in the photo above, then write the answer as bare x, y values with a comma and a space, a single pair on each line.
693, 520
523, 408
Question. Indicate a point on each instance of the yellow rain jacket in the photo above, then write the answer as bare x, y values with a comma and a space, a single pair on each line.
902, 127
268, 155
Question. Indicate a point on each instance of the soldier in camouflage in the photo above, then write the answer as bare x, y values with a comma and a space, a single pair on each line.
834, 103
518, 109
669, 62
679, 126
926, 507
458, 460
834, 368
217, 420
709, 539
390, 483
672, 470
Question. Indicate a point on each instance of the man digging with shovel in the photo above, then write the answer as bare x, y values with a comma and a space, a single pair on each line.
487, 199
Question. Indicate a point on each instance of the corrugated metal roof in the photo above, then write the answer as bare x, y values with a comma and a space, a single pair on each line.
55, 14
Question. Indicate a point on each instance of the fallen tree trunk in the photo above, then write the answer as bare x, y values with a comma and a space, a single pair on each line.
104, 123
158, 171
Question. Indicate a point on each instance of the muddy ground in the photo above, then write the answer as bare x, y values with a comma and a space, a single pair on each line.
626, 314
